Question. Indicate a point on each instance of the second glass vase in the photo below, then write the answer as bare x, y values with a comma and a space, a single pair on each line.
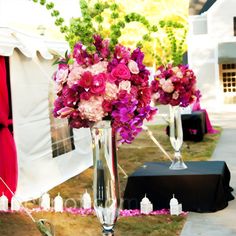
176, 137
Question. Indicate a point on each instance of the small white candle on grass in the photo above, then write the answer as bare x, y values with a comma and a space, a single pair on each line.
15, 204
146, 206
86, 201
45, 202
174, 206
58, 203
3, 203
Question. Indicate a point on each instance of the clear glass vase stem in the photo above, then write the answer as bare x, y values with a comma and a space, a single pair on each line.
176, 137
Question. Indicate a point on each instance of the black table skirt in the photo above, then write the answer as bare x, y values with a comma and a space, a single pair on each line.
193, 125
203, 187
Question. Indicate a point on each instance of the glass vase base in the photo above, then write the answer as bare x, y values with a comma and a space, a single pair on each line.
178, 165
108, 232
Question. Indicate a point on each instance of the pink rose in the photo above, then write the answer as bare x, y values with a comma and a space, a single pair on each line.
179, 74
155, 96
125, 85
61, 76
133, 67
98, 84
121, 71
175, 95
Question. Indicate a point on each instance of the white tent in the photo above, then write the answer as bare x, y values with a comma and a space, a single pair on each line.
30, 62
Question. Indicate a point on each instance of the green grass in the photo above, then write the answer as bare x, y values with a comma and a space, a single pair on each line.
130, 158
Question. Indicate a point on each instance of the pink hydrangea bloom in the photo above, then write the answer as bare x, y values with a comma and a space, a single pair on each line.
75, 75
111, 91
92, 109
98, 67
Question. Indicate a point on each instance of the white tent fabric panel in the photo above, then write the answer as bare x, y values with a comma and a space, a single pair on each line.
38, 171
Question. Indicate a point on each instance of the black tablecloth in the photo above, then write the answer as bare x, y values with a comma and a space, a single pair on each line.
202, 187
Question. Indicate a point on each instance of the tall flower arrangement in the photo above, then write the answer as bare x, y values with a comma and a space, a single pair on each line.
104, 85
100, 78
175, 85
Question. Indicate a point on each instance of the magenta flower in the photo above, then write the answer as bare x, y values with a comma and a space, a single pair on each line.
121, 71
86, 80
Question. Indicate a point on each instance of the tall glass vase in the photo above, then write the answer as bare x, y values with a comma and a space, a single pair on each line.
176, 137
106, 182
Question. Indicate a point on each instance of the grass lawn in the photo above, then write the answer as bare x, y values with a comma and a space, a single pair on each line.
131, 157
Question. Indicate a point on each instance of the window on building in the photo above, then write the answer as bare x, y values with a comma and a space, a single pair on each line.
61, 134
228, 82
235, 26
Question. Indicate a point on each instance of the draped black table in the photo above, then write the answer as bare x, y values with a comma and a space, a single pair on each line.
194, 125
202, 187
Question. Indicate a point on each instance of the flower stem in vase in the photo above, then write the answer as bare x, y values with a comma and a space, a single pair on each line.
176, 137
101, 196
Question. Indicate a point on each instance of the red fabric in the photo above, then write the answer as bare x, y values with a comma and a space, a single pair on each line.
210, 129
8, 158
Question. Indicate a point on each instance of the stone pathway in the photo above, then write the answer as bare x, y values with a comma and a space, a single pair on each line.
221, 223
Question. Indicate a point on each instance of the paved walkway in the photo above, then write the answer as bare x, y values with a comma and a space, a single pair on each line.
221, 223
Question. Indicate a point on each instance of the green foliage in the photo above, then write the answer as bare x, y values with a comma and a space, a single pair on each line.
92, 22
172, 47
82, 29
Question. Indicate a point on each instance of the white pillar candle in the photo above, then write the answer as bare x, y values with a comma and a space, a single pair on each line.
3, 203
45, 202
86, 201
15, 204
58, 203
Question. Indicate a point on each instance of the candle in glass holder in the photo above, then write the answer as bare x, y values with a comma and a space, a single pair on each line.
58, 203
15, 204
45, 202
86, 200
174, 206
3, 203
